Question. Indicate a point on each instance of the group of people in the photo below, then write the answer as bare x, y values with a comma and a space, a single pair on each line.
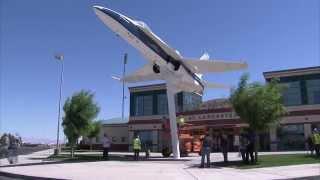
9, 145
314, 142
106, 143
208, 145
246, 147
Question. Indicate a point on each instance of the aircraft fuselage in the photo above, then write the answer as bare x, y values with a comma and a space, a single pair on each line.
171, 67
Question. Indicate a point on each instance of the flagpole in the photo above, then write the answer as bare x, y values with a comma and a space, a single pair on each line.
123, 83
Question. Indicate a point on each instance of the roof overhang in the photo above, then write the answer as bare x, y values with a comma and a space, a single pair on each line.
292, 72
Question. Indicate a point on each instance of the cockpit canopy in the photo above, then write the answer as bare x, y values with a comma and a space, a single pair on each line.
142, 24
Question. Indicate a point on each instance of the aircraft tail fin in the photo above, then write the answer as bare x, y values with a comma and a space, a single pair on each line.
205, 57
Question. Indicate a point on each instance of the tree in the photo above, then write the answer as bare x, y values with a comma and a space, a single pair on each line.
259, 105
94, 130
80, 110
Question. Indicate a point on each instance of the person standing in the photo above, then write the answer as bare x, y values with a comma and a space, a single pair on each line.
224, 146
13, 149
316, 138
4, 145
147, 149
250, 147
136, 147
106, 143
243, 146
310, 144
206, 150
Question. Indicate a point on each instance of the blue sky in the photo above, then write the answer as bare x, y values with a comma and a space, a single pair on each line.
269, 35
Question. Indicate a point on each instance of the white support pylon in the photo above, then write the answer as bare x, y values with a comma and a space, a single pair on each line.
173, 123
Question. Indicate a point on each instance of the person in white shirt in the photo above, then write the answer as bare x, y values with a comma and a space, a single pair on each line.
106, 143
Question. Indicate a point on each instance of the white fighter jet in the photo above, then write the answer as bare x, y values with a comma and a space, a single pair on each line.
164, 63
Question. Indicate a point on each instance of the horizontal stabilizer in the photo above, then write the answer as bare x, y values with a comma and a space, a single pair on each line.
215, 85
143, 74
207, 66
116, 78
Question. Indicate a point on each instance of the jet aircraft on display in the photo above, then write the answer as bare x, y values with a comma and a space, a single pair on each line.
164, 63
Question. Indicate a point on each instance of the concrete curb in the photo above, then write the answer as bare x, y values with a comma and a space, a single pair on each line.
26, 177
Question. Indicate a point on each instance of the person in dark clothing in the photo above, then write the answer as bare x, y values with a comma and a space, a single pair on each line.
13, 149
243, 146
250, 147
206, 150
147, 149
310, 145
106, 143
224, 146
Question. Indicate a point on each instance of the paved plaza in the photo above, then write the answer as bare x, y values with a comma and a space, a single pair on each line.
157, 168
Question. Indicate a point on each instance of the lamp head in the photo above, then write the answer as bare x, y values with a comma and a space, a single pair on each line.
59, 56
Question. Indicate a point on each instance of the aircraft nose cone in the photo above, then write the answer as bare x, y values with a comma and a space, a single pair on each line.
98, 8
105, 11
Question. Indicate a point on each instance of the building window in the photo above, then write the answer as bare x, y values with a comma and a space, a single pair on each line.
191, 101
143, 105
114, 139
291, 137
313, 91
292, 93
162, 104
139, 106
147, 105
123, 139
146, 138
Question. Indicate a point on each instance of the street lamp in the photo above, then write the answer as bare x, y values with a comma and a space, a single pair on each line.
59, 57
180, 120
123, 83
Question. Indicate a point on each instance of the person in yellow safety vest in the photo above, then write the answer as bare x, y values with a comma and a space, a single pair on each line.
316, 141
136, 147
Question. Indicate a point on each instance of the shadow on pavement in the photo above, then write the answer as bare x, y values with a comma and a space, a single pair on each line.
37, 158
212, 166
88, 158
230, 164
12, 176
222, 164
303, 178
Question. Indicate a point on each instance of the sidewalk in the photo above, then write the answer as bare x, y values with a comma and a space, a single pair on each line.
35, 157
32, 165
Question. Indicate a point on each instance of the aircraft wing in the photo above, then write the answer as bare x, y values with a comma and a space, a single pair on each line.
143, 74
201, 66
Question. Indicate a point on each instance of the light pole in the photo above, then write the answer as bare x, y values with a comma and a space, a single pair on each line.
123, 83
59, 57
